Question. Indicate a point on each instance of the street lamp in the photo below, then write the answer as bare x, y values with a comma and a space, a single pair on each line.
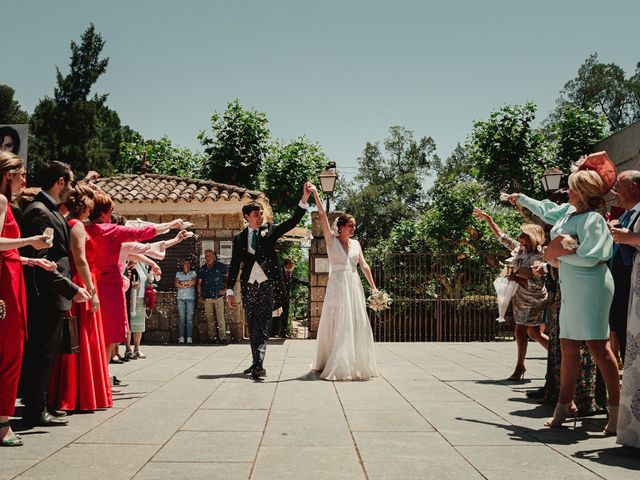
328, 181
551, 179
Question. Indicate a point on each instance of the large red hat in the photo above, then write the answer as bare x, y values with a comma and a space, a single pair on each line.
600, 163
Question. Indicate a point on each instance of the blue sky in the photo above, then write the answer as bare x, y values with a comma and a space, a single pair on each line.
339, 72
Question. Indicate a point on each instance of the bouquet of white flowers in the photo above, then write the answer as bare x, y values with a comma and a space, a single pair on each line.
568, 242
379, 300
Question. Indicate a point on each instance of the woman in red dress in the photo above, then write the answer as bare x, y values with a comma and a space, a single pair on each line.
108, 239
14, 326
80, 381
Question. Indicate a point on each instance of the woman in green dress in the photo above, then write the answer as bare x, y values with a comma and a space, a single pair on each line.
580, 245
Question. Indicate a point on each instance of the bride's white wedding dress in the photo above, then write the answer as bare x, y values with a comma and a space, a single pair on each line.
345, 349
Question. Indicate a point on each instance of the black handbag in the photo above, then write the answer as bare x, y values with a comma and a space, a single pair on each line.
70, 343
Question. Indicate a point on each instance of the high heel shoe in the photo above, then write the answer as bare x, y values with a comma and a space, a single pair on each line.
612, 425
518, 374
560, 414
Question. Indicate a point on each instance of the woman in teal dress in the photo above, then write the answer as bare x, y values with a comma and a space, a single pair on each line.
585, 282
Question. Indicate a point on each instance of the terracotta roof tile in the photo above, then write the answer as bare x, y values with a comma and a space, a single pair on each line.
164, 188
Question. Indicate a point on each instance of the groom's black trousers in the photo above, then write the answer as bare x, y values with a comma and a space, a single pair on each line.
258, 304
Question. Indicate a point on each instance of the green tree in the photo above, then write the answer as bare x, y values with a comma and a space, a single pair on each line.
238, 146
604, 87
10, 109
388, 186
285, 169
573, 133
72, 126
507, 153
162, 157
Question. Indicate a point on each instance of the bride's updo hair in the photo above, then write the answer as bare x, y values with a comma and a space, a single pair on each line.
341, 221
590, 186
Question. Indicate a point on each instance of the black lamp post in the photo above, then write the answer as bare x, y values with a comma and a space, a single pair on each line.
551, 179
328, 181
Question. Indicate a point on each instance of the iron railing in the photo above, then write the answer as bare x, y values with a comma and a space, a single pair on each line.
438, 298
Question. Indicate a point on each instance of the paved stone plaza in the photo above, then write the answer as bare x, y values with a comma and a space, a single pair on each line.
438, 411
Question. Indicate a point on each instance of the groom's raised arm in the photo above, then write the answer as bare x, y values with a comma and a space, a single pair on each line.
282, 228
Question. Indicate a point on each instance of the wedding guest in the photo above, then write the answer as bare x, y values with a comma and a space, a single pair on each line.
108, 239
50, 294
186, 280
629, 419
627, 193
80, 382
530, 300
137, 309
211, 291
12, 292
281, 326
585, 281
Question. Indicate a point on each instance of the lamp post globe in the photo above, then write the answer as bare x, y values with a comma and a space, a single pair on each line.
551, 179
328, 181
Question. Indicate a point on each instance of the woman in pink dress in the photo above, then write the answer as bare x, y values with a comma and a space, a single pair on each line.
80, 381
107, 240
12, 291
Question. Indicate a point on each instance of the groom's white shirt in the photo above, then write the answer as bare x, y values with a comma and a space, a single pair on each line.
257, 274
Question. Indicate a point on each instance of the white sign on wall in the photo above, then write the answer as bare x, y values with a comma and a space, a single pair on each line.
226, 247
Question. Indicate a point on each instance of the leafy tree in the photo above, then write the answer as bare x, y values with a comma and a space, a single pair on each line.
10, 110
238, 146
604, 87
573, 133
388, 186
286, 168
162, 157
507, 153
72, 126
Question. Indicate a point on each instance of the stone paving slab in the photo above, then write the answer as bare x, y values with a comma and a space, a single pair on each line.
436, 411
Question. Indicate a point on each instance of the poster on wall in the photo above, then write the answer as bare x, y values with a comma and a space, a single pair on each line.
14, 138
225, 251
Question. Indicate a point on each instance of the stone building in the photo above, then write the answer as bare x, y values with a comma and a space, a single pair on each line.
623, 147
215, 210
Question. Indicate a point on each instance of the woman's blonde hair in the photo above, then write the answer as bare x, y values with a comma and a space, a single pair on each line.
9, 162
590, 186
535, 234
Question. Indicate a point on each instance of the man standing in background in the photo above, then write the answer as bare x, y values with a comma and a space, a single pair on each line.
211, 291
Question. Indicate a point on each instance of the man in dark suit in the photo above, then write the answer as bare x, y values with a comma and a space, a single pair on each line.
627, 193
290, 281
49, 294
261, 280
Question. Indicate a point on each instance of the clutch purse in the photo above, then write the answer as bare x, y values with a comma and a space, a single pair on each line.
70, 343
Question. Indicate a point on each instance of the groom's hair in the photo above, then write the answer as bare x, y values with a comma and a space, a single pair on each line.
251, 207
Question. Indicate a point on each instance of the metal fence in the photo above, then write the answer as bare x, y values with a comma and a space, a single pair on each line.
439, 298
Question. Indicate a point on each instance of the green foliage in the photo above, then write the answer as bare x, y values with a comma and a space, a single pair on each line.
299, 299
71, 127
388, 186
238, 146
10, 110
605, 88
286, 168
162, 157
573, 132
479, 303
507, 152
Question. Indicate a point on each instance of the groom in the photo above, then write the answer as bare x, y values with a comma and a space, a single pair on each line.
261, 280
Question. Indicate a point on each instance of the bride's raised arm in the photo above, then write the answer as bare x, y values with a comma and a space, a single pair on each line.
324, 220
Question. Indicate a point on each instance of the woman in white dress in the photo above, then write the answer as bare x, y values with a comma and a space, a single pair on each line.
345, 349
629, 414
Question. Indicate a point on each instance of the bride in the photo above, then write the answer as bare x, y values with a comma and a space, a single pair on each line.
345, 348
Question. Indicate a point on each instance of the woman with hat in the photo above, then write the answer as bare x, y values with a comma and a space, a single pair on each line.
530, 299
580, 245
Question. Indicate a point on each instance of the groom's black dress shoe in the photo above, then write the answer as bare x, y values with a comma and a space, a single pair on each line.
58, 413
45, 419
258, 372
247, 371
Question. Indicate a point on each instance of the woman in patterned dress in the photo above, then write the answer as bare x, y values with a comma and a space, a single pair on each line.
530, 299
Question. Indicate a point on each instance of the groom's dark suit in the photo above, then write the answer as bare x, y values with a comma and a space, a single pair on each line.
260, 299
49, 296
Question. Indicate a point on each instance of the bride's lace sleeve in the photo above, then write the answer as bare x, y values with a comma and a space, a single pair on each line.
509, 242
